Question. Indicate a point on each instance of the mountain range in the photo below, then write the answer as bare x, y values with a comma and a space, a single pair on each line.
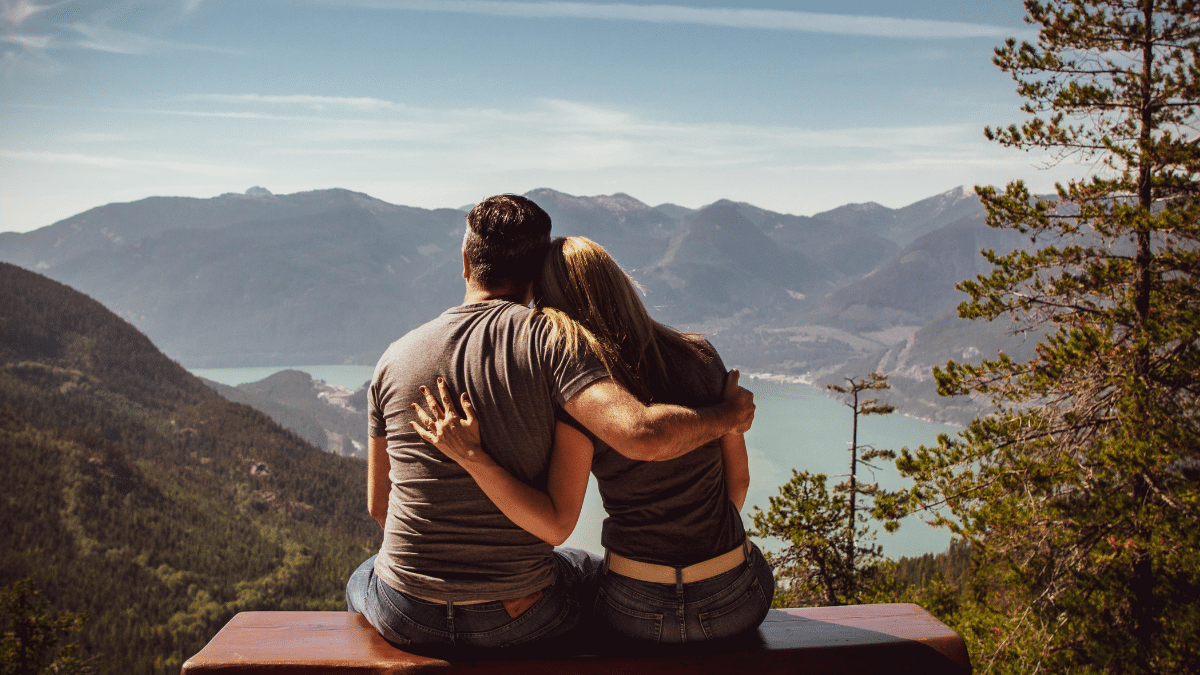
333, 276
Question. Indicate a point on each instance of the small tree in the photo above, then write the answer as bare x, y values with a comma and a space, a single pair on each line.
828, 559
32, 636
870, 406
1079, 494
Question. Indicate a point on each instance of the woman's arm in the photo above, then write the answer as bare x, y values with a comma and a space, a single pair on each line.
549, 516
379, 484
736, 467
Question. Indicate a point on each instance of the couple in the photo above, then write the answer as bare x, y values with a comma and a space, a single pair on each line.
471, 505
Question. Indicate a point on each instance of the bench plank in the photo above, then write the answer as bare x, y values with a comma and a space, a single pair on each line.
857, 639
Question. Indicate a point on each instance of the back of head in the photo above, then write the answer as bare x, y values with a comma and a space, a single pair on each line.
507, 238
581, 279
583, 282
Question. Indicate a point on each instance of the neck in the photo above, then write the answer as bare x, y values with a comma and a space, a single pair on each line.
478, 294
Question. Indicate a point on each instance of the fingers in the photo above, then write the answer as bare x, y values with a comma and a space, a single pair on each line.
468, 409
426, 420
748, 408
731, 383
422, 432
442, 414
447, 402
742, 401
434, 408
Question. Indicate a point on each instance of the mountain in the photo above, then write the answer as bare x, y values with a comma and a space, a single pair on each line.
108, 228
138, 495
328, 416
334, 276
904, 225
636, 235
847, 249
719, 264
917, 285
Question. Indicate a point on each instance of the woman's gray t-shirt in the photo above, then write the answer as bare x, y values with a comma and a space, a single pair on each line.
443, 537
676, 512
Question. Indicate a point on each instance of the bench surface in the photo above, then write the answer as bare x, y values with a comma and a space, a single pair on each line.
865, 639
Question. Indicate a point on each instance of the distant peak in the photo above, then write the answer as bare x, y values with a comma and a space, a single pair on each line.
617, 203
866, 206
547, 192
257, 191
958, 193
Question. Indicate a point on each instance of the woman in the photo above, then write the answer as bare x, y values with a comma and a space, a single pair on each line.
678, 565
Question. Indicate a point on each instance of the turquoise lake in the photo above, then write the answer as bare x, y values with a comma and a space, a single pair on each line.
795, 427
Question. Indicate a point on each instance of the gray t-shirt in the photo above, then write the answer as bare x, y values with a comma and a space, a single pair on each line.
676, 512
443, 537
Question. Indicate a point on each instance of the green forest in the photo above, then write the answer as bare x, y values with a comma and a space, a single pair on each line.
1076, 500
138, 498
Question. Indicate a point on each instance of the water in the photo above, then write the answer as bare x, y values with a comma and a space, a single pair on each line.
795, 427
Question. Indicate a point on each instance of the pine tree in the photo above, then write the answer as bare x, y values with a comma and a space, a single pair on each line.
1080, 493
870, 406
828, 558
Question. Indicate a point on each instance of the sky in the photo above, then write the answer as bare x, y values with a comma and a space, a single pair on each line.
797, 107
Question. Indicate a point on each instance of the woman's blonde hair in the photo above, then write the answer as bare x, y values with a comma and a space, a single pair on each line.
589, 300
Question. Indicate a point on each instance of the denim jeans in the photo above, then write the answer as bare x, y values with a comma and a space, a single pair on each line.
719, 607
409, 622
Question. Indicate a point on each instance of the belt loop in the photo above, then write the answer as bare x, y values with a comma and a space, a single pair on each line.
450, 619
604, 568
679, 580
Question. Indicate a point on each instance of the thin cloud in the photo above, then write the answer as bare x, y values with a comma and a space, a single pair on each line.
92, 32
760, 19
16, 11
113, 162
559, 134
39, 42
100, 37
549, 133
312, 102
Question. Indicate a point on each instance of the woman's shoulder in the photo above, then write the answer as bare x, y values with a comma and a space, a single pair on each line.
696, 368
694, 348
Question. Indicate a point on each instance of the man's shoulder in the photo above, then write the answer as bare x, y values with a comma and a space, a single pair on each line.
503, 310
492, 309
459, 321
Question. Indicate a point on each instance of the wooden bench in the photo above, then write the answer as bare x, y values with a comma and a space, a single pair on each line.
857, 639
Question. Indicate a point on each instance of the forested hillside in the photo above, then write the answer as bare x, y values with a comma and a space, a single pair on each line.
138, 495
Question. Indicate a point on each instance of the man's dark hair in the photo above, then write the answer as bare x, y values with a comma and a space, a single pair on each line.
507, 240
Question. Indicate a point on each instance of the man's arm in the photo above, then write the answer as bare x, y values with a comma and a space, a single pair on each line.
659, 431
379, 484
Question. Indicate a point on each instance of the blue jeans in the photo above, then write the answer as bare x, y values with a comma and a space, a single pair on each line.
410, 622
719, 607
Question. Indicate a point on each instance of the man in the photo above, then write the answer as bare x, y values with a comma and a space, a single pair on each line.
453, 570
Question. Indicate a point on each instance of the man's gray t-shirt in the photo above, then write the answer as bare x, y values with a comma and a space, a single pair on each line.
443, 537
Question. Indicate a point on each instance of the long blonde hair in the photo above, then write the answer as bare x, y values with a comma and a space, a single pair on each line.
589, 300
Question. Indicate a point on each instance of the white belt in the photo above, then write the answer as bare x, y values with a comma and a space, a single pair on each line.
665, 574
